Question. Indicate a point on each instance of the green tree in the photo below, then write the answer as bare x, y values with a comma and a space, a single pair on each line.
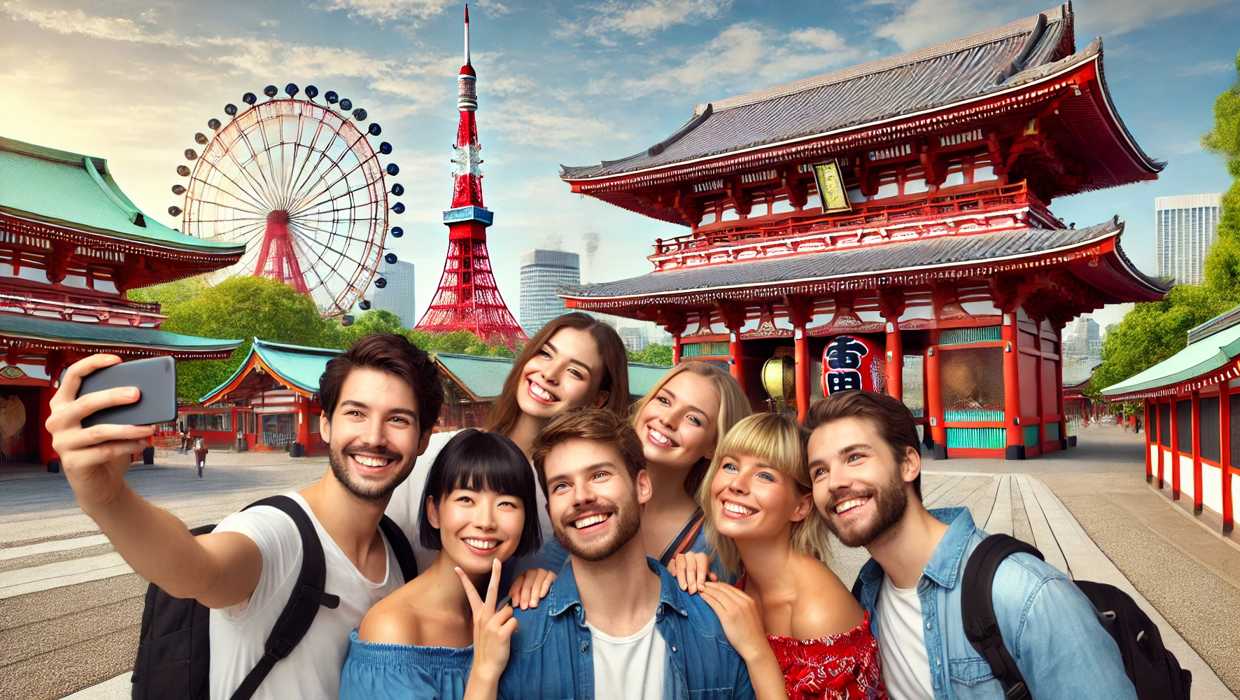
459, 342
1154, 331
653, 354
1223, 264
373, 321
245, 308
170, 295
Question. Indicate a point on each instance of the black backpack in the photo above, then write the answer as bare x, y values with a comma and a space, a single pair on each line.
1153, 669
174, 648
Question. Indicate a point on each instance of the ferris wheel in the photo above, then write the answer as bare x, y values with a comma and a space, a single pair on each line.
298, 182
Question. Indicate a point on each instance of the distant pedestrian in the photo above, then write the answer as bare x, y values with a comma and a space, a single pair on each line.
200, 454
183, 437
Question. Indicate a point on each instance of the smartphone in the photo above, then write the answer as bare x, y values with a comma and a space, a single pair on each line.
155, 377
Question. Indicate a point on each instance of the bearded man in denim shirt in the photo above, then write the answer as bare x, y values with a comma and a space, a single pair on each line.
615, 625
866, 472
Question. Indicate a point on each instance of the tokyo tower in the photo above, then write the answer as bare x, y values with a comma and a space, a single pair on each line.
468, 298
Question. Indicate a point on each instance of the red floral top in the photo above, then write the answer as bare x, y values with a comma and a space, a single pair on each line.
836, 667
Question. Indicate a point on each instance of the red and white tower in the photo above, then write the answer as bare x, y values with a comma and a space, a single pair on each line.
468, 298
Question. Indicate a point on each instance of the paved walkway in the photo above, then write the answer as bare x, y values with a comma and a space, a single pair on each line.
1072, 506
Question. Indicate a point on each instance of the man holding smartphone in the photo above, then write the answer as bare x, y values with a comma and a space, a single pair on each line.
380, 399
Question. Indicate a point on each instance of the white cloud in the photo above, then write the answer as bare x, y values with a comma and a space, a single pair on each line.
1207, 68
537, 123
924, 22
77, 22
391, 10
745, 54
643, 18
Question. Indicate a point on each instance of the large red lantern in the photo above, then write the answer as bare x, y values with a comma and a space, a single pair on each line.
850, 363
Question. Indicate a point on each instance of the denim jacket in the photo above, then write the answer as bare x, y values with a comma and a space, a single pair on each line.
552, 657
1049, 627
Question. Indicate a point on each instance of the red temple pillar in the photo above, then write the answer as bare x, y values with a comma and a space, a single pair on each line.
1175, 451
891, 305
46, 454
676, 349
734, 319
1158, 409
800, 311
1196, 438
1224, 452
303, 423
1014, 435
1149, 463
1063, 415
674, 322
934, 398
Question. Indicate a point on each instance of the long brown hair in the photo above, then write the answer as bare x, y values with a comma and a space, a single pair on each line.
614, 373
733, 406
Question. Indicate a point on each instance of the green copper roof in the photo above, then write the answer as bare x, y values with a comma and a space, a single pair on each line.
36, 328
642, 378
483, 376
77, 191
1204, 356
299, 365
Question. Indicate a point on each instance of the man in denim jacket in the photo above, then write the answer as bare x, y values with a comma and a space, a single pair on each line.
614, 624
866, 472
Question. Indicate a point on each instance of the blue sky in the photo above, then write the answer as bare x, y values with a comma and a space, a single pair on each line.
558, 82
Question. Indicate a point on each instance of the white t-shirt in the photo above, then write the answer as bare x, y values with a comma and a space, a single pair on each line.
239, 633
407, 499
902, 645
629, 668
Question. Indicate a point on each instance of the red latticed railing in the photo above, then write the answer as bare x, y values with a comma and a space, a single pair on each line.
777, 226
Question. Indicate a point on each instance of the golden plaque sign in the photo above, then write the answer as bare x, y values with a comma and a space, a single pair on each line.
831, 190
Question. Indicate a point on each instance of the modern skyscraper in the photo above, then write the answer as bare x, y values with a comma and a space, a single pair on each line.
635, 338
1185, 228
543, 272
1082, 340
398, 295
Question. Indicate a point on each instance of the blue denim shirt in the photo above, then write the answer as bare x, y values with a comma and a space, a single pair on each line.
1049, 627
552, 657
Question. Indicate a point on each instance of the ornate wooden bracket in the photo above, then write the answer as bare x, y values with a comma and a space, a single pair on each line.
688, 206
58, 261
931, 165
733, 315
742, 201
795, 186
800, 310
891, 303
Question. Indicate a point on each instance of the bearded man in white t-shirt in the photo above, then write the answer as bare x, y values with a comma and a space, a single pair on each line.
380, 402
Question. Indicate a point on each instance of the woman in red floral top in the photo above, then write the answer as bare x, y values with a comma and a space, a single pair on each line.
790, 617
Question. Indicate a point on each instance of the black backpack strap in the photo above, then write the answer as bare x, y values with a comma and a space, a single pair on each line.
400, 547
303, 604
978, 609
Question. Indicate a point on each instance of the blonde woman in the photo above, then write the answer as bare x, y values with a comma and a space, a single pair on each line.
790, 617
680, 422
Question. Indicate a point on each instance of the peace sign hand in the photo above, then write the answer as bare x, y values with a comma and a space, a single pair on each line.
492, 630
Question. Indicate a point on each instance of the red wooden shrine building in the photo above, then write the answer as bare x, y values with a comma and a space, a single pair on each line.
71, 246
894, 216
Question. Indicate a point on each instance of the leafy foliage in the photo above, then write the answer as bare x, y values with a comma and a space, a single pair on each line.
170, 295
243, 307
653, 354
1154, 331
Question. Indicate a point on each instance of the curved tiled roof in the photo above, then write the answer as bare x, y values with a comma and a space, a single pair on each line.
900, 257
935, 76
108, 335
76, 191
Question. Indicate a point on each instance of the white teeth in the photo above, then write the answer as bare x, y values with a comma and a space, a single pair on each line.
589, 520
848, 505
540, 392
370, 461
659, 438
738, 508
481, 544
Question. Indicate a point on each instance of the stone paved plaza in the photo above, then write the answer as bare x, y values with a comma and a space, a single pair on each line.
69, 607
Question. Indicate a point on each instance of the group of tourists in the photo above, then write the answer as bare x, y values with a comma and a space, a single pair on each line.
581, 547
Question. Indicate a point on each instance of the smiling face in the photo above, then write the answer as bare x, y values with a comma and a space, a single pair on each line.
477, 527
751, 500
678, 425
859, 487
561, 375
593, 503
374, 435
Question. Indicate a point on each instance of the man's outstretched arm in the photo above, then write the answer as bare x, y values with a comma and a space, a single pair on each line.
219, 570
